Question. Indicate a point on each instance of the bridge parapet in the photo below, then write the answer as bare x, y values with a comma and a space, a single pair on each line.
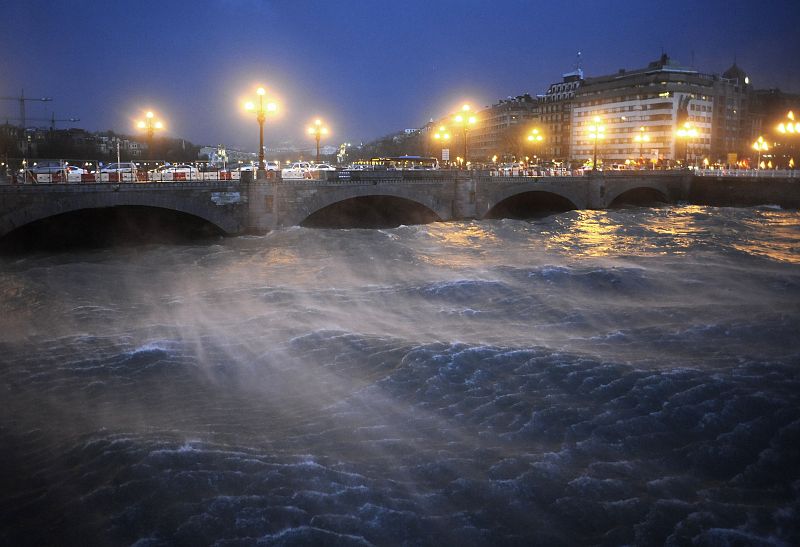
220, 203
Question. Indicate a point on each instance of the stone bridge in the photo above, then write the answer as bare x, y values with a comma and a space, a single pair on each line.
259, 206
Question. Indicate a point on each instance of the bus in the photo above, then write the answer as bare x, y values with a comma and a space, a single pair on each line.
398, 163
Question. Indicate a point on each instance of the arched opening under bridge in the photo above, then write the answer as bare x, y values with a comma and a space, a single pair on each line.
533, 204
108, 227
371, 212
639, 197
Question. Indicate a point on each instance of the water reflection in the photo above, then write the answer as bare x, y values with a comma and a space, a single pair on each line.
784, 242
590, 234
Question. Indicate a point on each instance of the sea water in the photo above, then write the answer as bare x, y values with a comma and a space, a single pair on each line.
591, 377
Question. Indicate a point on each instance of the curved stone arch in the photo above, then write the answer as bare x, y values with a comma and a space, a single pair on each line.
576, 198
638, 185
66, 203
322, 200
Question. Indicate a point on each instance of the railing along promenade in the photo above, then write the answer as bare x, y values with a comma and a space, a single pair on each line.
64, 176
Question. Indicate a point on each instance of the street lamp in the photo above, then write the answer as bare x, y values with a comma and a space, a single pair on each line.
687, 132
789, 127
261, 115
761, 146
442, 136
465, 120
150, 126
596, 131
792, 128
317, 130
535, 137
641, 138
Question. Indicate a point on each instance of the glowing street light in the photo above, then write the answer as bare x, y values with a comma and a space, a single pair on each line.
442, 136
761, 146
261, 115
317, 130
641, 138
687, 132
535, 137
465, 121
596, 131
150, 125
791, 126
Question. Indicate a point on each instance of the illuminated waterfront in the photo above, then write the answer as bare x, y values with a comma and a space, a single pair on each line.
620, 376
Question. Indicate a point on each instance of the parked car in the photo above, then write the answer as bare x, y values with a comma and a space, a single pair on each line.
298, 170
123, 167
182, 170
273, 166
70, 173
324, 167
126, 171
47, 167
158, 172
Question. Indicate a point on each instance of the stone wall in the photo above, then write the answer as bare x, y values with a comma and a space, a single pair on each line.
745, 191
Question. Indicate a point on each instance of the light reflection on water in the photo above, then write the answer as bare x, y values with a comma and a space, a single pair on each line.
617, 377
784, 242
585, 234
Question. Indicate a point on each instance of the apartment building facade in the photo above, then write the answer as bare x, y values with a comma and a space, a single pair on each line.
662, 114
500, 129
555, 107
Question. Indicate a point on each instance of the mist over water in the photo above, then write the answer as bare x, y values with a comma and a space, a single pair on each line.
591, 377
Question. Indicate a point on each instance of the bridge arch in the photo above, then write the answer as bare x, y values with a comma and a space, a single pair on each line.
431, 204
640, 192
57, 204
532, 197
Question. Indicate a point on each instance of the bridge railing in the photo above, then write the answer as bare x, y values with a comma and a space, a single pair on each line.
760, 173
67, 171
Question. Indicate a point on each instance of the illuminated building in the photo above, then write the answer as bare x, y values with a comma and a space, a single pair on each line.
663, 97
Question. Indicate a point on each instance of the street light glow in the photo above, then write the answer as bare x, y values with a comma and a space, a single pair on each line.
596, 132
149, 125
760, 145
317, 130
261, 116
465, 121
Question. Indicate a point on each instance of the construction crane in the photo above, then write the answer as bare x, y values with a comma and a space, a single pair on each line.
52, 119
22, 98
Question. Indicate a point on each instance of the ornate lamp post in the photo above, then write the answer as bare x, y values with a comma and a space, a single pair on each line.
760, 145
150, 126
442, 136
596, 132
261, 115
465, 121
686, 132
535, 137
641, 138
317, 130
791, 128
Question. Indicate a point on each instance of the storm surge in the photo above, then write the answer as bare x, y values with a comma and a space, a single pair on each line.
591, 377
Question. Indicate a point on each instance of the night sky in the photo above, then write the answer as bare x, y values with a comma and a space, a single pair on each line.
368, 68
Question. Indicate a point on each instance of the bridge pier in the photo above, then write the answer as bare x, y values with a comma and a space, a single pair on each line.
464, 204
596, 191
261, 214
